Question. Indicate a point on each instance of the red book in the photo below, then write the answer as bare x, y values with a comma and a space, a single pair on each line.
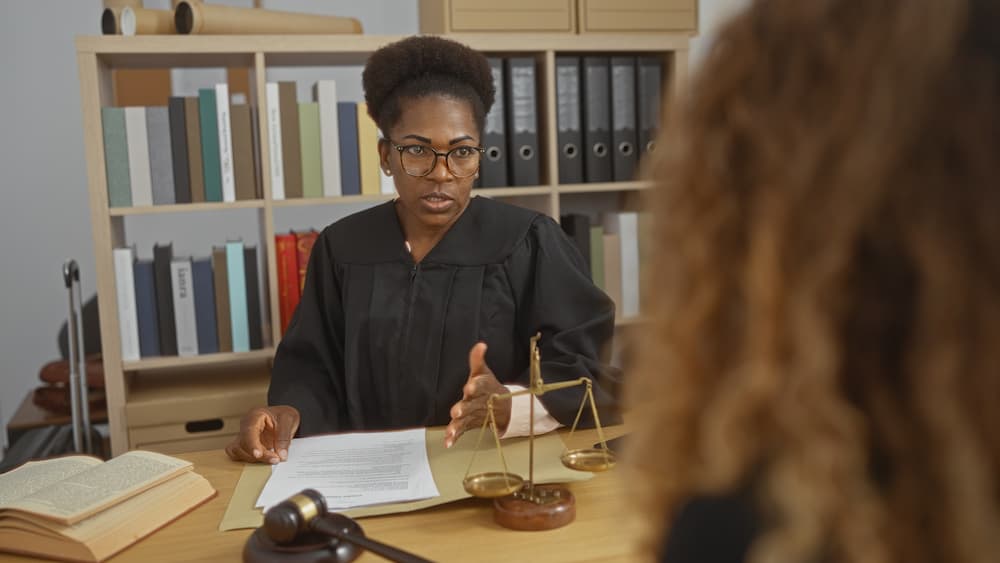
304, 242
288, 277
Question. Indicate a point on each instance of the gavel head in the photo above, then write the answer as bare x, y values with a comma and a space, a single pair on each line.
286, 520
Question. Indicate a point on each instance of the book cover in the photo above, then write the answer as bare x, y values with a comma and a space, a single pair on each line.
291, 151
116, 157
368, 157
179, 149
254, 324
145, 308
220, 279
275, 155
226, 170
236, 276
128, 323
161, 160
163, 255
625, 225
184, 315
138, 156
244, 168
597, 255
304, 241
347, 122
288, 277
209, 127
204, 305
127, 498
192, 124
309, 139
325, 92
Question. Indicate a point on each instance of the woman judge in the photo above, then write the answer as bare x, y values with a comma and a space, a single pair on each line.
415, 311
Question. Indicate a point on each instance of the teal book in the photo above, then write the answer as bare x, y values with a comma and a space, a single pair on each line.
208, 116
116, 157
312, 158
236, 273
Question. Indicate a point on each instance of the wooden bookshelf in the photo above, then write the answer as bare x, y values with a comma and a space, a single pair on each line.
97, 57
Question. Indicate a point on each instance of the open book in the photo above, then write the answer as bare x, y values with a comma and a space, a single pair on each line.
79, 508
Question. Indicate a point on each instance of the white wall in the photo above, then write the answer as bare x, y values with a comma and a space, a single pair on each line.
44, 215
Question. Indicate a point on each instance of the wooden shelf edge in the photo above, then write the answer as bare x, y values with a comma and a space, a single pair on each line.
604, 187
168, 362
632, 321
512, 192
341, 200
186, 207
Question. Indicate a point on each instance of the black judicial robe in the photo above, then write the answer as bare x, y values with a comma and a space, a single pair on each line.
381, 342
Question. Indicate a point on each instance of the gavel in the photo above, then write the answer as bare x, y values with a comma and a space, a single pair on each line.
288, 520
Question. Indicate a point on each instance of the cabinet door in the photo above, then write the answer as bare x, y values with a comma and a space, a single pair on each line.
512, 15
638, 15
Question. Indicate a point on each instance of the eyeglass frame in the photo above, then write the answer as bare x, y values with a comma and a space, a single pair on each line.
446, 154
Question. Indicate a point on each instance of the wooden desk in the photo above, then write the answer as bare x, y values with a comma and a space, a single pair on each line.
459, 531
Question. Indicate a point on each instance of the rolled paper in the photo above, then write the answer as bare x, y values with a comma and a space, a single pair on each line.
140, 21
193, 17
109, 21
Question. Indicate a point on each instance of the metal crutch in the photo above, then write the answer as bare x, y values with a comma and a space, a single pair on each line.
79, 399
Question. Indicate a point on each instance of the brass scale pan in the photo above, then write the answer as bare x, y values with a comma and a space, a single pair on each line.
499, 484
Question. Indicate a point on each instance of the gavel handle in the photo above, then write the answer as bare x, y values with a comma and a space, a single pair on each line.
376, 547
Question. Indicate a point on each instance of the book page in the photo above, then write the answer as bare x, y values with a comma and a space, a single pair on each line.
92, 490
37, 475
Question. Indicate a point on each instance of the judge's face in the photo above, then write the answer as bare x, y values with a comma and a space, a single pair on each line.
434, 200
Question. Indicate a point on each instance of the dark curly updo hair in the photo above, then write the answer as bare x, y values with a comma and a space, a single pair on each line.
424, 65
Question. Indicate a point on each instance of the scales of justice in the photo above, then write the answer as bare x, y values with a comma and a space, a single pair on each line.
523, 505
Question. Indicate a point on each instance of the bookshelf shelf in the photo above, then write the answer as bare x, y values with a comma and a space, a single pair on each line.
185, 208
99, 57
170, 362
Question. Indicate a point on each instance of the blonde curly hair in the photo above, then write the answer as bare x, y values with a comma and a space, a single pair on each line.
826, 313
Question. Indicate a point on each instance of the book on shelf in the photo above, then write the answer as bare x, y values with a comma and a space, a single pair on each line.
254, 320
368, 156
244, 161
145, 308
325, 93
220, 279
79, 508
225, 142
273, 107
179, 149
209, 127
597, 255
304, 241
236, 276
288, 277
290, 140
184, 311
161, 165
163, 255
192, 130
204, 306
128, 323
116, 157
138, 156
309, 147
347, 127
612, 254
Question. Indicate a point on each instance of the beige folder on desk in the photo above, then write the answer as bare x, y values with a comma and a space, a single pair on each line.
447, 465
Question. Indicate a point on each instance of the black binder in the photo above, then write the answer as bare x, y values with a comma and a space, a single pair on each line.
596, 120
493, 167
569, 136
648, 100
623, 137
522, 121
577, 227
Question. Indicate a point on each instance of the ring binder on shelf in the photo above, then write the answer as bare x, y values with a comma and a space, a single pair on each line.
522, 122
569, 137
623, 137
493, 166
596, 120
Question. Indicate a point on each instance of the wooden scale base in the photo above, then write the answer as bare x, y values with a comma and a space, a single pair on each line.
553, 506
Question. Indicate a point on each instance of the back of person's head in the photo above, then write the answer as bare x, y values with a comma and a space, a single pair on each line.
826, 291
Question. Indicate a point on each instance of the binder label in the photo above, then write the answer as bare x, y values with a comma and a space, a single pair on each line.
568, 92
522, 83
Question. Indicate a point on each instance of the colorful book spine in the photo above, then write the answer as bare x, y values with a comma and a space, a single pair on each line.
347, 122
329, 136
128, 323
204, 306
243, 153
161, 161
220, 279
309, 144
274, 141
368, 155
226, 170
209, 121
290, 147
304, 242
138, 156
116, 157
288, 277
145, 308
184, 313
236, 275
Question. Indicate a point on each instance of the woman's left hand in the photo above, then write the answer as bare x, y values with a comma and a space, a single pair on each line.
471, 411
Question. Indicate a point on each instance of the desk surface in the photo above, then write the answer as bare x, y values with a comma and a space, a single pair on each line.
459, 531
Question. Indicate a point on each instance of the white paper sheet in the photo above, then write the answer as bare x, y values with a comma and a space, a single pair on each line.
354, 469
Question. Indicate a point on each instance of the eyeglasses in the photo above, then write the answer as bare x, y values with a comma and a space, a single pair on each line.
420, 160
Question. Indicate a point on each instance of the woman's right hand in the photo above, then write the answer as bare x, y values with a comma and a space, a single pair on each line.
265, 433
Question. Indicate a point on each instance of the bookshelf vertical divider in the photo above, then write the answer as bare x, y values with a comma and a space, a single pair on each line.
98, 56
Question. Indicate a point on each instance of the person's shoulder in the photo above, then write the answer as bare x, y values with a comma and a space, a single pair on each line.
364, 236
490, 233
